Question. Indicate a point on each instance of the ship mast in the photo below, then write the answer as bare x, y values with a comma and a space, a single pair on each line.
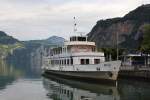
74, 25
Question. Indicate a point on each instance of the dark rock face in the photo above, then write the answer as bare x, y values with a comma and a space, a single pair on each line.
129, 29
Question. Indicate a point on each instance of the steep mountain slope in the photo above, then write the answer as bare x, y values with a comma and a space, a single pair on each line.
8, 44
129, 29
55, 40
51, 41
27, 53
33, 51
5, 39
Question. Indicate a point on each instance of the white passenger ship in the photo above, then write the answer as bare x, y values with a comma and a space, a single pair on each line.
78, 58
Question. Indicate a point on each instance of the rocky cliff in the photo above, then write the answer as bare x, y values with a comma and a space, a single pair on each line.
128, 28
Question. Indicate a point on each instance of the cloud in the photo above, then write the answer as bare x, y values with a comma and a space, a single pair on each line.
37, 19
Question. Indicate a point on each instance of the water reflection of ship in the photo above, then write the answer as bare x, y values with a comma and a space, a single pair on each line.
64, 89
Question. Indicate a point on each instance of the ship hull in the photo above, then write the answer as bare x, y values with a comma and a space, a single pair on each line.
87, 75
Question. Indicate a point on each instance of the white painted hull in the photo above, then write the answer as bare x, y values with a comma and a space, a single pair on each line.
103, 71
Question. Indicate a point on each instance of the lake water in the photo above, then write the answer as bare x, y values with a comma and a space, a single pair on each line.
20, 82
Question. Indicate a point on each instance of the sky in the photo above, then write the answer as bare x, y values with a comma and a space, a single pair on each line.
40, 19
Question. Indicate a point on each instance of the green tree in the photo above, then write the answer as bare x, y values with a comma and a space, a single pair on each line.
145, 46
112, 52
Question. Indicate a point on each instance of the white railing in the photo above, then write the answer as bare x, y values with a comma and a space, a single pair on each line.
80, 43
79, 54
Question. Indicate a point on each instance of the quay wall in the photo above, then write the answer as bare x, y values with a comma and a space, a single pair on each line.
135, 72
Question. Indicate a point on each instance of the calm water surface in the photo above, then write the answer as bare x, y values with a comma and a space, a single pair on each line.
18, 82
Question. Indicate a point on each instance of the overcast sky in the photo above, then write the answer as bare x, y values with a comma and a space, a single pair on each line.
40, 19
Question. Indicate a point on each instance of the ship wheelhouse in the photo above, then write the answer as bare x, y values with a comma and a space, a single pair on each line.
77, 51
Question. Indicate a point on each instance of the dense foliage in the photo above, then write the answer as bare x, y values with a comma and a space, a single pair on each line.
112, 52
145, 46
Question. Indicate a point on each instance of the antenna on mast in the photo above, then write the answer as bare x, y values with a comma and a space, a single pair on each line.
75, 25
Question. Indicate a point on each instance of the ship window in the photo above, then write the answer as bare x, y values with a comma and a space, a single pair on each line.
81, 38
78, 39
68, 93
52, 62
93, 49
87, 61
82, 61
67, 61
96, 61
62, 62
71, 61
73, 38
57, 62
65, 91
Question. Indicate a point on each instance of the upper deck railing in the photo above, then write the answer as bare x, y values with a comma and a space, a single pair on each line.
95, 54
79, 43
